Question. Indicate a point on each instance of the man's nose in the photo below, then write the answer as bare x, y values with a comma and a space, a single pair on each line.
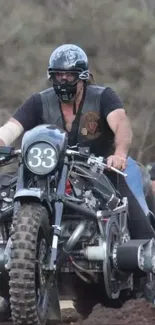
64, 75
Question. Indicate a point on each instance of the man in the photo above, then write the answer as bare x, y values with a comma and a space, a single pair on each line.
93, 116
76, 106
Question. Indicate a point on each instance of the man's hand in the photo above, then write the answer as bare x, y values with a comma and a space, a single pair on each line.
119, 162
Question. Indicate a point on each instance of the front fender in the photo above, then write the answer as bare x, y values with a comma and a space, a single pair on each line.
33, 194
29, 192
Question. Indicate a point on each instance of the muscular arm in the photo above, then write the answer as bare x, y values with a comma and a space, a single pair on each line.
120, 125
112, 110
25, 118
10, 131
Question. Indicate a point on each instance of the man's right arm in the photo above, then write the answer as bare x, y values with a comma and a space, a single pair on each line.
10, 131
25, 118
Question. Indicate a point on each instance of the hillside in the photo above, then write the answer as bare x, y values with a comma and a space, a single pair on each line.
118, 35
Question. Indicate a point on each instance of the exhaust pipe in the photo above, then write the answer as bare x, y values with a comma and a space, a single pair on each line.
72, 241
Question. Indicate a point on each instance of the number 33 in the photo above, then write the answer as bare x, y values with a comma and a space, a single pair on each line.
45, 157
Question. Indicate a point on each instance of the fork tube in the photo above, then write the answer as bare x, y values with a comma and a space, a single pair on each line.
58, 209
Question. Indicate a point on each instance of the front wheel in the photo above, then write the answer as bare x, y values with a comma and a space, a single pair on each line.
29, 296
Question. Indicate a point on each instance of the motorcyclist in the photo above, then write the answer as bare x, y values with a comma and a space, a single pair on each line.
92, 115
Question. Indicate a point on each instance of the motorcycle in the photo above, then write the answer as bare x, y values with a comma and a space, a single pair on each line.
62, 218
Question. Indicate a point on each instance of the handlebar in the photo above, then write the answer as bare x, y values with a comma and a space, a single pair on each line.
98, 160
10, 153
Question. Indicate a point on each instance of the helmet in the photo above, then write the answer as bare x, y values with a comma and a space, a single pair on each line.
73, 60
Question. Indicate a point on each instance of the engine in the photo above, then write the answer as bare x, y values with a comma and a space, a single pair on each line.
80, 192
102, 248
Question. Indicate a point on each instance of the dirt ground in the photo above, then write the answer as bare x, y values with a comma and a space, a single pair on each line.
133, 312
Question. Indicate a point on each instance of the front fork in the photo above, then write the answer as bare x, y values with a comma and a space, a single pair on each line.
58, 211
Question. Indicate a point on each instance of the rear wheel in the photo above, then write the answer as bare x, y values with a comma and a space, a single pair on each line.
29, 293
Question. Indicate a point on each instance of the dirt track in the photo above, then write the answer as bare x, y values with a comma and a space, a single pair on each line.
133, 312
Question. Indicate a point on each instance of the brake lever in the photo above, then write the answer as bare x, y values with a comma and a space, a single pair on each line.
115, 169
101, 163
85, 153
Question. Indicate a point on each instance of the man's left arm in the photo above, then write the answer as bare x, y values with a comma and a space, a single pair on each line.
120, 125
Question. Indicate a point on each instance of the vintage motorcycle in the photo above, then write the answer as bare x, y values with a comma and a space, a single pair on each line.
62, 217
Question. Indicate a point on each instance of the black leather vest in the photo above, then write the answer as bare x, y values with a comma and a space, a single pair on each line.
93, 131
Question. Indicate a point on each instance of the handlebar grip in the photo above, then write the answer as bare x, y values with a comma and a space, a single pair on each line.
6, 150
